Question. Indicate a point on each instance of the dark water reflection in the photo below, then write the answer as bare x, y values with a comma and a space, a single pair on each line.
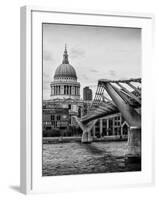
78, 158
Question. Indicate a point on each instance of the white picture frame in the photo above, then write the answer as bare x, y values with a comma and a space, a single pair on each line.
31, 117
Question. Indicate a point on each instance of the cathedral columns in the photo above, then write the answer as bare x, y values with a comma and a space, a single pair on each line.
70, 90
53, 92
73, 90
62, 89
65, 89
59, 89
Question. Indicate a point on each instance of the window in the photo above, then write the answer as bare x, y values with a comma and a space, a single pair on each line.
64, 89
52, 117
58, 117
104, 122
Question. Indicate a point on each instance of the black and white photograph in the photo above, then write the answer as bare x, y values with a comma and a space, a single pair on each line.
91, 99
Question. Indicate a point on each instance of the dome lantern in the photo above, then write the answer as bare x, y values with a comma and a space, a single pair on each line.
65, 56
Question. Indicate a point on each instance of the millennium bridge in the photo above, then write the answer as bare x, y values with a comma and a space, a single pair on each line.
121, 96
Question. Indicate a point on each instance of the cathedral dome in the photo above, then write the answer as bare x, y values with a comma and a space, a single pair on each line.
65, 70
65, 85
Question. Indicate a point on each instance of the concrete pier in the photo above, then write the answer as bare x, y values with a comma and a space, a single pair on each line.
134, 145
86, 137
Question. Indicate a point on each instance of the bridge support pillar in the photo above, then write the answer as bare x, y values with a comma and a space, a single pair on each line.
86, 137
133, 118
134, 145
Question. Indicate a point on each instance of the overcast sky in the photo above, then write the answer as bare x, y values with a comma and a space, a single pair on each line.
94, 52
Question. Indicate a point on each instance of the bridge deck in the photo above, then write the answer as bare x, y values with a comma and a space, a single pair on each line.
104, 106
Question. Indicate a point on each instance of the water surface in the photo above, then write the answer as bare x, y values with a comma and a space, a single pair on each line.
78, 158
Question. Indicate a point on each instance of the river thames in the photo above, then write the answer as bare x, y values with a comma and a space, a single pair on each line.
78, 158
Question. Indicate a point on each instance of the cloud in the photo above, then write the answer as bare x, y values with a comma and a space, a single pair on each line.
45, 75
112, 73
47, 56
46, 93
77, 53
83, 77
46, 85
94, 71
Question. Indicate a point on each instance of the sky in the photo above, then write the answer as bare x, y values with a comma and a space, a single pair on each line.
95, 53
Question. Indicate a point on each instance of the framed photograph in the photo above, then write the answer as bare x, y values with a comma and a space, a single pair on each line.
86, 111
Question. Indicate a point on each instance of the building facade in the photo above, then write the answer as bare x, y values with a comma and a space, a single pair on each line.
58, 116
55, 116
113, 126
87, 94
